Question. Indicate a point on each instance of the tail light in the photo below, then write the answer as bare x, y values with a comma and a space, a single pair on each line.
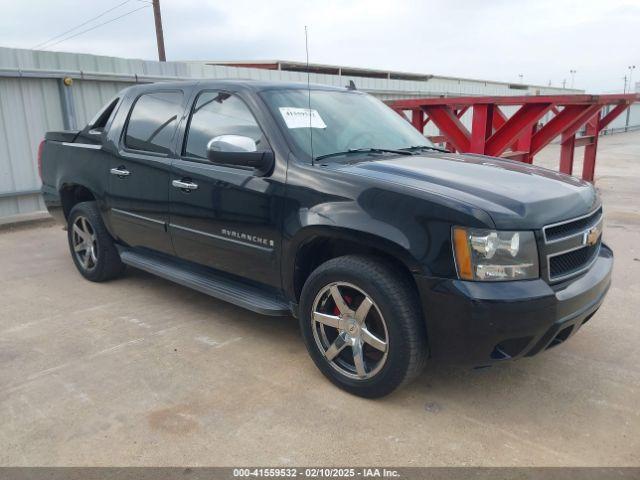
40, 147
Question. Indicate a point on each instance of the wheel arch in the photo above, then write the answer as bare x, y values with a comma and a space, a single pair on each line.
71, 194
316, 244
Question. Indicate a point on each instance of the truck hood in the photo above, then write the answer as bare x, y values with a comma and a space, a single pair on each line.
515, 195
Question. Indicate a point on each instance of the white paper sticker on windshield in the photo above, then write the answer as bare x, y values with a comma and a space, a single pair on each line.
302, 117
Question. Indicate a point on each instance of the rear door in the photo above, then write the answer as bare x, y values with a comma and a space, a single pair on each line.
138, 185
231, 220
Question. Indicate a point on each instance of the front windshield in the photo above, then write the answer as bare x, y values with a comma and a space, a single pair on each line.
340, 121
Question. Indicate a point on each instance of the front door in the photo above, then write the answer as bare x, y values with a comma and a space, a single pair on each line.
227, 217
138, 186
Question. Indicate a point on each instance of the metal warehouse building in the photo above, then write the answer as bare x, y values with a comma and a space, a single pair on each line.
35, 98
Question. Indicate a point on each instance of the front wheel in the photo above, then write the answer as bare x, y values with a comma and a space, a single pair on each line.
362, 325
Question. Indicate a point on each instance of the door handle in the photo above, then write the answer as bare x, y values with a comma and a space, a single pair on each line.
184, 185
120, 172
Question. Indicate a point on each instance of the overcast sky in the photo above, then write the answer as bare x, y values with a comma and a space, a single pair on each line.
490, 39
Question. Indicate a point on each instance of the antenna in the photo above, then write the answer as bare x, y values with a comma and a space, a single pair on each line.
306, 46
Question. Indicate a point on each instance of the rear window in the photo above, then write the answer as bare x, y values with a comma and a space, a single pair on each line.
153, 121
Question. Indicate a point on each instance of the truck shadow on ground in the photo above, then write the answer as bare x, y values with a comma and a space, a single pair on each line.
536, 384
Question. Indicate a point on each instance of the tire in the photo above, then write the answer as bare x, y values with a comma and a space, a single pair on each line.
97, 260
380, 344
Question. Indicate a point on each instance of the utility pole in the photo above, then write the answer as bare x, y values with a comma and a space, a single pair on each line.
159, 35
631, 89
573, 76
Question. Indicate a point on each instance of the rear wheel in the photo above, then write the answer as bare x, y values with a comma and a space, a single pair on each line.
362, 325
92, 248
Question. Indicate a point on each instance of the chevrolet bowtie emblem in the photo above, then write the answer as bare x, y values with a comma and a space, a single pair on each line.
592, 235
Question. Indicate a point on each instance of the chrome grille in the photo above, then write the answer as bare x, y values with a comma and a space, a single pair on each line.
568, 246
567, 263
558, 231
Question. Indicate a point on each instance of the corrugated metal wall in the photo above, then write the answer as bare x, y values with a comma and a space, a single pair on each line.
28, 108
31, 101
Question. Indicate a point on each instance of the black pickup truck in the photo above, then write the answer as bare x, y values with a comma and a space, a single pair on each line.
324, 204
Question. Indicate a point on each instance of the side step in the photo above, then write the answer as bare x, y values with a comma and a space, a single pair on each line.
204, 280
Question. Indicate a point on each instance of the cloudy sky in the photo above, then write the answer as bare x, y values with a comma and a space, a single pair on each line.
492, 39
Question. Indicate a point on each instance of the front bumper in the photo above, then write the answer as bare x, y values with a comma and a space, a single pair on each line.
479, 323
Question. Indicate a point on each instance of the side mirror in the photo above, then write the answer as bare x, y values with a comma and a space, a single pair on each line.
238, 151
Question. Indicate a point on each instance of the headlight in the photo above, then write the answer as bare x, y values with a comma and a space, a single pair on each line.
491, 255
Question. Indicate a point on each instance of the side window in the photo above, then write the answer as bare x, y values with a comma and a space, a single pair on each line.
153, 122
219, 113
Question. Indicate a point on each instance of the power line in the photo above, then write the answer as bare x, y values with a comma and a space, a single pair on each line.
81, 25
97, 26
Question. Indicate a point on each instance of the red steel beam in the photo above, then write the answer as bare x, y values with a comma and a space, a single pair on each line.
449, 124
481, 127
567, 148
426, 120
492, 132
516, 155
568, 121
462, 111
556, 100
524, 144
459, 114
417, 119
524, 118
612, 115
499, 119
555, 126
583, 141
589, 162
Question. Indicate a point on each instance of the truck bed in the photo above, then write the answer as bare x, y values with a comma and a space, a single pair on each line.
62, 136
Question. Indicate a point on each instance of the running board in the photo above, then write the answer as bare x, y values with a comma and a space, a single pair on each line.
233, 291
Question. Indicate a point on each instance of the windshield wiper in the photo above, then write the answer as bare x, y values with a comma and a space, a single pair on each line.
425, 147
364, 150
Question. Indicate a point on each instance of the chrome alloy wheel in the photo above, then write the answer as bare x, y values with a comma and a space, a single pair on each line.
85, 245
349, 330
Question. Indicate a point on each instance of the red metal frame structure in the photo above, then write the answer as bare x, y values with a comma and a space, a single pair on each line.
520, 136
